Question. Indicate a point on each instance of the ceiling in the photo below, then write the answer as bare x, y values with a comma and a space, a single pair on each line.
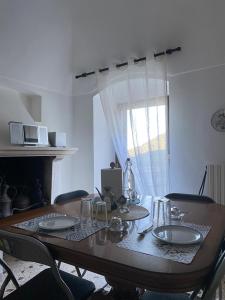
110, 31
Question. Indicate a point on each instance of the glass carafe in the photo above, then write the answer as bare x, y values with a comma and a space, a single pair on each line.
129, 183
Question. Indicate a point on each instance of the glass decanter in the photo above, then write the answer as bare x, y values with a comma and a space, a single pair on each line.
129, 183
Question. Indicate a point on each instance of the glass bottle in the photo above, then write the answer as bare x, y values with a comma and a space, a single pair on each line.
129, 182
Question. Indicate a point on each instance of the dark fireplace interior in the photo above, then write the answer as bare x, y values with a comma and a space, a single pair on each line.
23, 183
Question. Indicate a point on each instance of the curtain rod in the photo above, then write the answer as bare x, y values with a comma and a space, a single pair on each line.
168, 51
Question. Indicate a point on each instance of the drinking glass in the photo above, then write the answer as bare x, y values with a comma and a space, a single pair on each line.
122, 205
116, 224
101, 214
86, 212
161, 212
101, 237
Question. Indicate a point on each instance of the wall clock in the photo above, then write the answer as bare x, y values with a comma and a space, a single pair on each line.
218, 120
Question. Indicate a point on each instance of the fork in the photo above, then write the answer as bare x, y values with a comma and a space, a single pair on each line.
142, 233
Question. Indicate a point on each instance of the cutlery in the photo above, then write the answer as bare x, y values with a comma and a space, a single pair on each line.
143, 232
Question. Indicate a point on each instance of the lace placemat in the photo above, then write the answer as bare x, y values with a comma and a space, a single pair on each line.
150, 245
77, 233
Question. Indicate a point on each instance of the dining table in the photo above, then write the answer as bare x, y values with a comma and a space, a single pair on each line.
130, 272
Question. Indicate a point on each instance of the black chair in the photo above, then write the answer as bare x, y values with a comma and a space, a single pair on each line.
208, 289
66, 197
69, 196
50, 283
191, 197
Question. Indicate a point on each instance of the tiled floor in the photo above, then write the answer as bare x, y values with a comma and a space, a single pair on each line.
26, 270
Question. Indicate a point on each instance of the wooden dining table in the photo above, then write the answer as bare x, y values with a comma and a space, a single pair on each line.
126, 270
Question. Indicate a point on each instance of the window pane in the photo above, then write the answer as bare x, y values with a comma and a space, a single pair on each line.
146, 124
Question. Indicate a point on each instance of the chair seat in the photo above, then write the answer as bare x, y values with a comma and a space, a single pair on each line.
164, 296
43, 287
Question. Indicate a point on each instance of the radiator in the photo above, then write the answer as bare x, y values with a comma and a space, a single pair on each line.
215, 182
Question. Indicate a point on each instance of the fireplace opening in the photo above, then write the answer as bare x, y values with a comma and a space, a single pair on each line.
25, 183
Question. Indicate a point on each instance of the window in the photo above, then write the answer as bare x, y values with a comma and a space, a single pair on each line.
147, 143
153, 127
134, 101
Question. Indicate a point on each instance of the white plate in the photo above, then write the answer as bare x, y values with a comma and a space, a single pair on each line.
176, 234
57, 223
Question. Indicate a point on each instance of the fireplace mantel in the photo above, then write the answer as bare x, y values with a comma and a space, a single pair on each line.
50, 165
32, 151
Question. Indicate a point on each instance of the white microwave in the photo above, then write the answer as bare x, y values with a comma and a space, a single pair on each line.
24, 134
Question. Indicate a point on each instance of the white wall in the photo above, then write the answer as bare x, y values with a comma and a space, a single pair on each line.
11, 109
107, 32
194, 97
35, 58
56, 115
196, 26
83, 163
90, 136
36, 43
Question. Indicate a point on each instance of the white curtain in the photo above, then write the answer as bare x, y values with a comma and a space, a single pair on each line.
135, 103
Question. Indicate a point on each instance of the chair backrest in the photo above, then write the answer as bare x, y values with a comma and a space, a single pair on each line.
28, 248
202, 187
191, 197
69, 196
215, 278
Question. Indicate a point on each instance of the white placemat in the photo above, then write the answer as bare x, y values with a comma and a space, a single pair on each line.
150, 245
76, 233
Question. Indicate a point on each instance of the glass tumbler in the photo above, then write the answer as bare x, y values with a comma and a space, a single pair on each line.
161, 212
86, 212
101, 214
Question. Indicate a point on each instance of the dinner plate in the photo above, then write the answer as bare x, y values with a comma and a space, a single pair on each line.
57, 223
177, 234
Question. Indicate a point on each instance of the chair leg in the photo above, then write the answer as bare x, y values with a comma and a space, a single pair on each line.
4, 284
220, 291
101, 290
79, 272
10, 273
83, 273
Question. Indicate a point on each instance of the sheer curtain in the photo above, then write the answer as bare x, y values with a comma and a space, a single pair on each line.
135, 104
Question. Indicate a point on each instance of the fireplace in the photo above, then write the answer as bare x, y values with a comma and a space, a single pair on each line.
27, 177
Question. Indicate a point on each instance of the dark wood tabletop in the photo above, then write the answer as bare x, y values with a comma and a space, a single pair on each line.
103, 256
